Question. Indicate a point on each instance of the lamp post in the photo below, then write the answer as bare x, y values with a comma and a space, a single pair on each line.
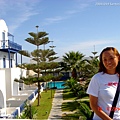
51, 88
37, 37
38, 65
52, 46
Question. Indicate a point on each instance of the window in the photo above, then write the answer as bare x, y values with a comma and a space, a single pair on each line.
4, 63
11, 62
3, 39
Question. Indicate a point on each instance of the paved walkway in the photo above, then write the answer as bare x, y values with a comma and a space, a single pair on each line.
56, 111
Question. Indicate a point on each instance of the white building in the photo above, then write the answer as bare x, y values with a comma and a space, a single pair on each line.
8, 48
8, 70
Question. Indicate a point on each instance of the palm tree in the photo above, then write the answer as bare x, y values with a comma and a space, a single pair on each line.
73, 60
90, 68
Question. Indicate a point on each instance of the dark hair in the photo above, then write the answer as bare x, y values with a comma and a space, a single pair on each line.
101, 66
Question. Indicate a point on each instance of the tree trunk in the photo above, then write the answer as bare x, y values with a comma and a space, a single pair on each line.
74, 73
38, 93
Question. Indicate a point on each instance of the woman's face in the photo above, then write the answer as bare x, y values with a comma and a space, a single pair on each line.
110, 61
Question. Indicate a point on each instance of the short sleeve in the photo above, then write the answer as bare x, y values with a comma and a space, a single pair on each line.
93, 87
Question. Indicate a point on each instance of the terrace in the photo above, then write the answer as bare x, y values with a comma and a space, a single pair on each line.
9, 44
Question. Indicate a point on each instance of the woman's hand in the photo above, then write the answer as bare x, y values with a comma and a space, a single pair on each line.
97, 109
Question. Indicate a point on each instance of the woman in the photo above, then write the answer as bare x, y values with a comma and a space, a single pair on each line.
102, 87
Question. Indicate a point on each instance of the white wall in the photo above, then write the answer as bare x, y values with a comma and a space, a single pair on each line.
16, 73
23, 74
5, 55
12, 87
3, 28
2, 91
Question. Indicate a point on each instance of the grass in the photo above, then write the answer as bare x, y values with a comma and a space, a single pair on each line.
69, 106
45, 106
72, 106
71, 117
68, 95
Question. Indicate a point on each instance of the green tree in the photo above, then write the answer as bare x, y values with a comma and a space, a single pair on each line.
43, 60
73, 61
90, 68
29, 112
36, 39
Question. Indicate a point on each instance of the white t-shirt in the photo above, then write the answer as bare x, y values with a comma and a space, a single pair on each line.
104, 86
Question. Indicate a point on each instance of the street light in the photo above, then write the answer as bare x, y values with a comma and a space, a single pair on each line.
37, 26
51, 88
37, 43
52, 46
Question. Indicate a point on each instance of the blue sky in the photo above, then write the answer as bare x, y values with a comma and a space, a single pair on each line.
73, 25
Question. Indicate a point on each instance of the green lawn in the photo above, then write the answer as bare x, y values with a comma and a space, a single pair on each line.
44, 108
68, 95
69, 106
73, 106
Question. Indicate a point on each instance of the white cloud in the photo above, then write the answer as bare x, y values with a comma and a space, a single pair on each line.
78, 7
86, 46
72, 12
54, 19
22, 10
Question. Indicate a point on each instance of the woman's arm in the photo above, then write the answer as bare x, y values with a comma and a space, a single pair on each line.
94, 106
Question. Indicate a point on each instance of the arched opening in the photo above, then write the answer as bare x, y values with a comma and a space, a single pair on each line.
1, 100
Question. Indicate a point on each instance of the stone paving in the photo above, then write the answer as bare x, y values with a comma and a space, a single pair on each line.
56, 111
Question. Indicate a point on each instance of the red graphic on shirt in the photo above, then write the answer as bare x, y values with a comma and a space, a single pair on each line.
112, 84
110, 108
113, 108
